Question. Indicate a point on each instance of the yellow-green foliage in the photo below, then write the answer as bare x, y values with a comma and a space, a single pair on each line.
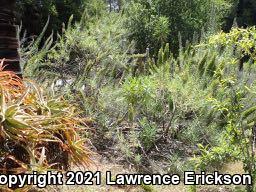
241, 39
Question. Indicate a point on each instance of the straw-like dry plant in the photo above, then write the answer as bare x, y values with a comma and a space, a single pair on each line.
37, 132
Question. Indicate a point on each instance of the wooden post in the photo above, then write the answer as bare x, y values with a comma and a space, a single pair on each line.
9, 42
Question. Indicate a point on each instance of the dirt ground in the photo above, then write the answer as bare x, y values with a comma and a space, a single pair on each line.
103, 165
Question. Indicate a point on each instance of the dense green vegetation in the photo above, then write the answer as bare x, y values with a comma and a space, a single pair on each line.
169, 85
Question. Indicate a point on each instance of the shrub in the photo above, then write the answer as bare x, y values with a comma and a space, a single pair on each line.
99, 50
147, 134
153, 23
38, 132
34, 13
232, 99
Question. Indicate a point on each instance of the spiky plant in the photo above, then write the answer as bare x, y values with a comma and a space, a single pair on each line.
37, 132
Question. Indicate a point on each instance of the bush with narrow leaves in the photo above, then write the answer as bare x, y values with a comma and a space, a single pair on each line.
37, 132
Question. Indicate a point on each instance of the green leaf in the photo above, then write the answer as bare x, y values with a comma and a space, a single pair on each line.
248, 112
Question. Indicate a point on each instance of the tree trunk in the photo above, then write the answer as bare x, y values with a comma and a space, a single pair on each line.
110, 5
119, 3
9, 43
